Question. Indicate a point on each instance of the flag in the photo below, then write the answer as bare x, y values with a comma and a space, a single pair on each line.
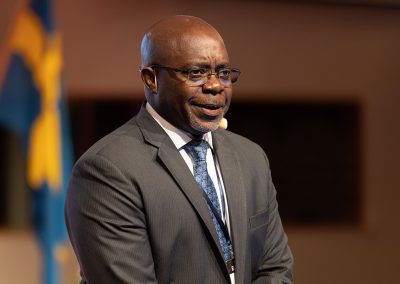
33, 106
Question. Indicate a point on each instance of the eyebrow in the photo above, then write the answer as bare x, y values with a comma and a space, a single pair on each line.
208, 66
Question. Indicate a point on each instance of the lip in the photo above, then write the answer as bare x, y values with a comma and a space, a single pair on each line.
212, 110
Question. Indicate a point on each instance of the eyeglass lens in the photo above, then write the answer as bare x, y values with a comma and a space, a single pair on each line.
200, 76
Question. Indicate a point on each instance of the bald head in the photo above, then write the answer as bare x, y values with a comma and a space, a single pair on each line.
169, 37
170, 49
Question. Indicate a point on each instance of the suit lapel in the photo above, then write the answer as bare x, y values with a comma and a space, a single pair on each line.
178, 169
172, 160
236, 198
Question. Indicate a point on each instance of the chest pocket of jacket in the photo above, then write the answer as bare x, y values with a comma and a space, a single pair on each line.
258, 231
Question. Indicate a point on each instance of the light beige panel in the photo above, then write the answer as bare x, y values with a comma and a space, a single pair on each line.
20, 261
282, 49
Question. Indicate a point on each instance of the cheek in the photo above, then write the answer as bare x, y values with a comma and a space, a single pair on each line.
228, 98
175, 94
179, 100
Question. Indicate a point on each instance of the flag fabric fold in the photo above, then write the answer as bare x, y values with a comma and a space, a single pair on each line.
33, 106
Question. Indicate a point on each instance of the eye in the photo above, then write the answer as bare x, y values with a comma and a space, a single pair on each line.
197, 73
224, 74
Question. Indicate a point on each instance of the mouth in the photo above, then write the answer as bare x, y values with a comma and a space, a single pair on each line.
210, 109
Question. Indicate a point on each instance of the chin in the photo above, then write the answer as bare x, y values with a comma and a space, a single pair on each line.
200, 125
204, 127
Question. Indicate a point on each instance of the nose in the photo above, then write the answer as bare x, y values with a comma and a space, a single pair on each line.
213, 86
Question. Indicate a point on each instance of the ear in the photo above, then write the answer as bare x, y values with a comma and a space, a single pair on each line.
149, 79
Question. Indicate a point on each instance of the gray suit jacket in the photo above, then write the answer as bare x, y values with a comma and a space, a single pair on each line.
136, 215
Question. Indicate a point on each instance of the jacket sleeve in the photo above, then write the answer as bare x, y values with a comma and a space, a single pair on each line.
277, 260
107, 225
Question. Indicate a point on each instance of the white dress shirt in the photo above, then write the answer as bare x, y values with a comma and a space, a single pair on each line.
180, 139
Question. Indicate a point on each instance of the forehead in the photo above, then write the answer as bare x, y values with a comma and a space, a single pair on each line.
197, 48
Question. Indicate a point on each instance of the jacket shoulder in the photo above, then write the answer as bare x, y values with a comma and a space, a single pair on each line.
118, 143
239, 142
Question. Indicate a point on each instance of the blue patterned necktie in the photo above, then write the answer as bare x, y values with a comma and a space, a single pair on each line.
197, 149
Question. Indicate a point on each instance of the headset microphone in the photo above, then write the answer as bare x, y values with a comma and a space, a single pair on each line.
223, 123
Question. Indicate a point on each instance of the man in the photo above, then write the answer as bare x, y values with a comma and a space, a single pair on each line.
168, 197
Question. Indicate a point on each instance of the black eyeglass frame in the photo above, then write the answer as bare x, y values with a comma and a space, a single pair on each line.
186, 72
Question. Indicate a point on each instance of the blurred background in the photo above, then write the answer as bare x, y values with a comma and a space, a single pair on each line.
319, 91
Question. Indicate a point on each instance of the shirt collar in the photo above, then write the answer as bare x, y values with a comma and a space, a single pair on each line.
178, 137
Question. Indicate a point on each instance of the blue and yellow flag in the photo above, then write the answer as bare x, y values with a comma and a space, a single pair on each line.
32, 106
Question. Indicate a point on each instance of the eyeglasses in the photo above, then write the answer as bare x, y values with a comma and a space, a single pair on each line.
198, 76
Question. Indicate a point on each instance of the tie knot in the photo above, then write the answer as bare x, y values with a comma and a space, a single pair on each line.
197, 149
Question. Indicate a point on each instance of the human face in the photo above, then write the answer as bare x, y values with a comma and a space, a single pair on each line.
196, 110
